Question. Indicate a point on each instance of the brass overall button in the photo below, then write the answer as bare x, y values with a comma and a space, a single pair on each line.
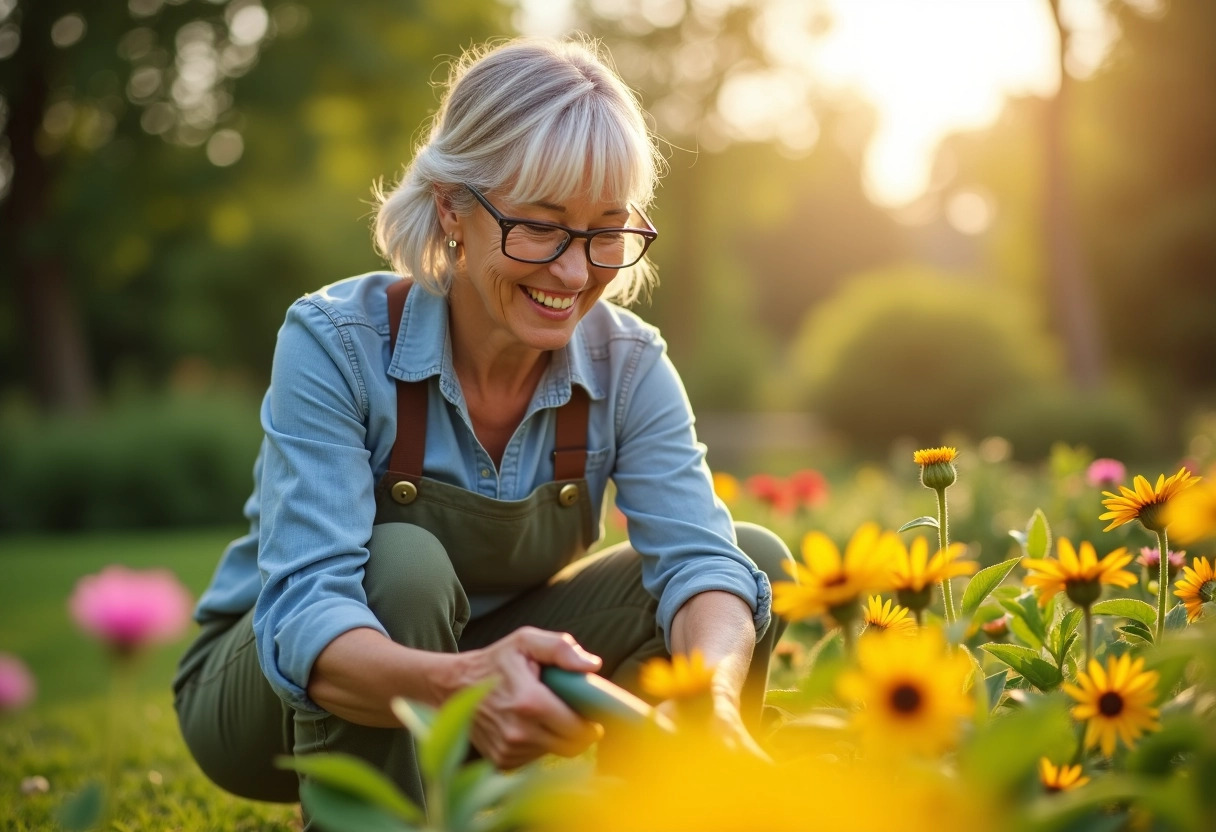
405, 492
568, 496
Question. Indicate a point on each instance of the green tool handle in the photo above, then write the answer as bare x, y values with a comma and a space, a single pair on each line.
595, 698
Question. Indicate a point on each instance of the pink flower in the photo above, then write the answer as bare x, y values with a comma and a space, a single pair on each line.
1106, 473
809, 487
127, 608
16, 683
1150, 558
771, 490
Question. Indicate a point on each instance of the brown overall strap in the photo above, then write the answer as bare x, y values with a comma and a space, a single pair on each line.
409, 449
570, 449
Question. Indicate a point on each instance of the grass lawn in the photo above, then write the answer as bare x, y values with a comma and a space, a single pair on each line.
63, 735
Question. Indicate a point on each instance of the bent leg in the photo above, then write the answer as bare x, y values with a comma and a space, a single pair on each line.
413, 591
231, 720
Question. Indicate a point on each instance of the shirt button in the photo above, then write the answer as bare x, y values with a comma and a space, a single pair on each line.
485, 472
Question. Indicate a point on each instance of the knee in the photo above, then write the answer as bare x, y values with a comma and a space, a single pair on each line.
409, 579
766, 550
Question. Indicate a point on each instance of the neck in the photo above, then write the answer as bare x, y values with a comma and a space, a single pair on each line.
491, 365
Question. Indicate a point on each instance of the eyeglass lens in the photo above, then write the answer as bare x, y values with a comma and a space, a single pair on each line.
610, 249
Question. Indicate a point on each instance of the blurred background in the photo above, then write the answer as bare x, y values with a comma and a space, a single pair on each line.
885, 223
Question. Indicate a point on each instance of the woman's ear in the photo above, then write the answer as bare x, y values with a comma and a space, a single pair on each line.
448, 218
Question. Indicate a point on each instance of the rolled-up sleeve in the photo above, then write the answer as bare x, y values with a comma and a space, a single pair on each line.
683, 532
317, 501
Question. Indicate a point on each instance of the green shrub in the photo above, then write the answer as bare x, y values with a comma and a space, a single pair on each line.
913, 352
1110, 423
165, 460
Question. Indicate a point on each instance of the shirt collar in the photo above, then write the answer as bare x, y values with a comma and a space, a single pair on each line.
424, 349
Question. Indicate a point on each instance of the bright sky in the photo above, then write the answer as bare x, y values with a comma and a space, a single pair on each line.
929, 67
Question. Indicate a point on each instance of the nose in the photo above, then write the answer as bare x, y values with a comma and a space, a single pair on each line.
572, 268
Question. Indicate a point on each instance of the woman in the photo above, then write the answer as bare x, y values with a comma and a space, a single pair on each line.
438, 447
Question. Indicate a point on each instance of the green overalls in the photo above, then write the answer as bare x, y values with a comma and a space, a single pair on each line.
432, 545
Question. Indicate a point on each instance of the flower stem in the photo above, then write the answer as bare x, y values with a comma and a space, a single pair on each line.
1089, 636
1163, 581
846, 636
943, 540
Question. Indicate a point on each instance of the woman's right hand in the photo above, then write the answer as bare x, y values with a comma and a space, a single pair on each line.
521, 719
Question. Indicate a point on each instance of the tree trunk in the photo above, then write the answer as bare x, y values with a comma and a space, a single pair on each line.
58, 369
1070, 295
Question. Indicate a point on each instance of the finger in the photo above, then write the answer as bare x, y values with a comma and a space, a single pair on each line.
558, 649
573, 744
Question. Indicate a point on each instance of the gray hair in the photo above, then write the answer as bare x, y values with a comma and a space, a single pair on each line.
542, 119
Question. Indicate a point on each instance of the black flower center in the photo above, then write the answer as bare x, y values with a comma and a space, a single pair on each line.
1110, 704
906, 699
1207, 591
837, 579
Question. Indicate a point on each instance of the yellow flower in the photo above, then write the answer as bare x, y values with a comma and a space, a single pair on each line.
830, 584
1081, 578
1060, 778
727, 487
911, 692
1197, 587
935, 456
1116, 703
887, 617
914, 574
684, 677
695, 784
1145, 502
936, 467
1192, 515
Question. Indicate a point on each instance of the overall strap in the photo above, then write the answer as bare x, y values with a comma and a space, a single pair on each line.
410, 446
570, 452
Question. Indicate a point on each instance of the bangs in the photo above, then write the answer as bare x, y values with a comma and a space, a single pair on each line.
583, 150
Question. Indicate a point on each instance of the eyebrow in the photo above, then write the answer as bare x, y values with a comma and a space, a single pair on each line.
561, 209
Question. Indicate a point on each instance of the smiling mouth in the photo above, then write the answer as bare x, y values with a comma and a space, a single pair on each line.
551, 301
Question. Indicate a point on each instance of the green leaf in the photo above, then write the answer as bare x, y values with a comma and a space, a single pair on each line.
335, 810
1128, 608
1062, 636
995, 684
1038, 671
981, 585
1175, 619
1133, 632
1008, 748
416, 717
978, 689
1025, 609
440, 754
1038, 535
83, 809
477, 788
925, 520
356, 777
1020, 537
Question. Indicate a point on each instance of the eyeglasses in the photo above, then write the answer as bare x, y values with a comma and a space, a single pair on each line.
536, 241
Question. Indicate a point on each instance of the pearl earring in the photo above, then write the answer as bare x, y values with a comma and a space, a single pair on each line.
451, 242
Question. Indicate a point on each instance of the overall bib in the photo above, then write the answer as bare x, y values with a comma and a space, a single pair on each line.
432, 546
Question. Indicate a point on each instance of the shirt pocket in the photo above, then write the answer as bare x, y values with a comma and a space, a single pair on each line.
597, 462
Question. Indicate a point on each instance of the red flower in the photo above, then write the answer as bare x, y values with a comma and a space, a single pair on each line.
774, 492
809, 487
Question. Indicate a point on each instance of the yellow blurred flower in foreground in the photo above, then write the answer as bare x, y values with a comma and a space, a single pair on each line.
727, 487
692, 783
887, 617
830, 584
910, 692
1145, 502
1197, 587
1191, 516
684, 677
1115, 703
1078, 576
1060, 778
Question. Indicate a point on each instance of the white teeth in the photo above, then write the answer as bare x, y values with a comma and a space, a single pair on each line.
549, 300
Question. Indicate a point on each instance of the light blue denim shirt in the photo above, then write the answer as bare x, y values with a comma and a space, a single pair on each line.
330, 421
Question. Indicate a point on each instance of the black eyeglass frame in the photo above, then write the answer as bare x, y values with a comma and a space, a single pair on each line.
649, 234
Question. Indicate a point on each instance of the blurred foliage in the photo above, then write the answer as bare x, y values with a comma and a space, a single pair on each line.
195, 165
895, 350
146, 460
